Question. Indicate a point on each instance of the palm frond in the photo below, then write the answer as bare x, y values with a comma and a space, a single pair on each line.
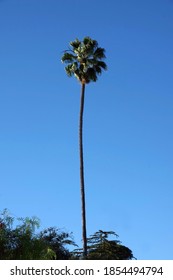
99, 53
75, 44
71, 68
91, 75
102, 64
98, 69
89, 42
68, 57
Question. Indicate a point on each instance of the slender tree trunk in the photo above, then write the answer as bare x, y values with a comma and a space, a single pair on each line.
82, 184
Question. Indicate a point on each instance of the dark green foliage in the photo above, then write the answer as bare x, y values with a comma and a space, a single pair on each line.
84, 60
22, 243
57, 241
100, 248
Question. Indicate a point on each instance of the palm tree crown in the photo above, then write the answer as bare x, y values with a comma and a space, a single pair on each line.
84, 60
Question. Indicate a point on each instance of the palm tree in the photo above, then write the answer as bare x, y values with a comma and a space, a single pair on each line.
84, 60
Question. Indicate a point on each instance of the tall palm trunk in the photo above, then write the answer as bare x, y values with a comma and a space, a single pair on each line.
82, 185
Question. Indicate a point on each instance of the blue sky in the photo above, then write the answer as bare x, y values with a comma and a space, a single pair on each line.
127, 123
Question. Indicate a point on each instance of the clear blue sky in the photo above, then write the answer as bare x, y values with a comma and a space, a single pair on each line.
128, 136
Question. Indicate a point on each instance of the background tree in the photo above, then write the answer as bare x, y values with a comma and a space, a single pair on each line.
100, 248
57, 241
84, 60
22, 243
